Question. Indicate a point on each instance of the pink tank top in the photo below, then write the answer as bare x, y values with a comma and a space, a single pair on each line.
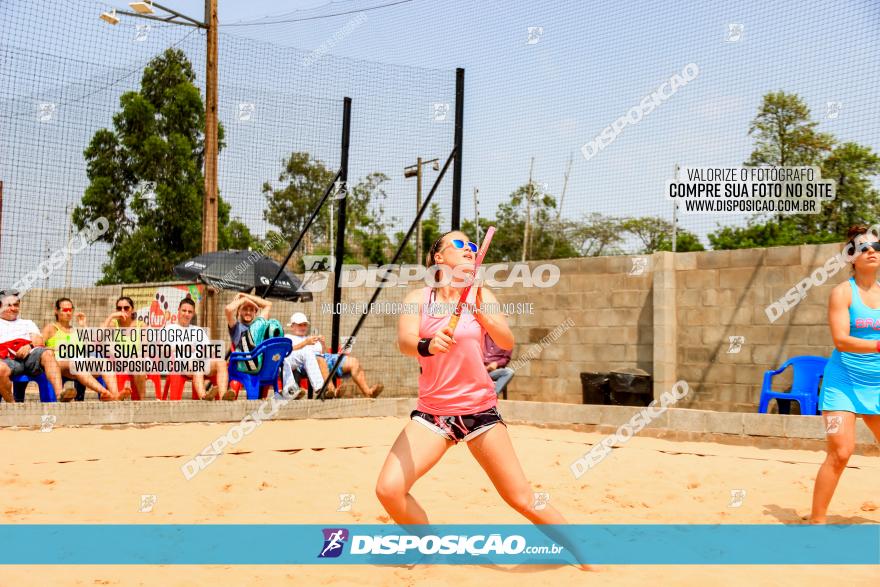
454, 383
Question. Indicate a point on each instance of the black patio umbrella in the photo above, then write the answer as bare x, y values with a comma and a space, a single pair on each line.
242, 271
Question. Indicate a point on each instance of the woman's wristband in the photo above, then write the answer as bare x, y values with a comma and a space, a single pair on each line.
878, 346
424, 343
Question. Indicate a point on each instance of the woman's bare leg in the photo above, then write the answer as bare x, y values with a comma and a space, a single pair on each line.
110, 383
140, 383
218, 368
416, 450
494, 451
873, 424
88, 380
198, 385
325, 371
841, 440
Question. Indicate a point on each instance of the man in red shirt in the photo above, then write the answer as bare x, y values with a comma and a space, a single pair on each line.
22, 351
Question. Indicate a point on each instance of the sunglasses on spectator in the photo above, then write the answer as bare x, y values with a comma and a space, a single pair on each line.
123, 308
460, 244
865, 246
70, 309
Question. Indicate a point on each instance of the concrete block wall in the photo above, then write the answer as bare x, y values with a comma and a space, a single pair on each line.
672, 317
725, 293
610, 314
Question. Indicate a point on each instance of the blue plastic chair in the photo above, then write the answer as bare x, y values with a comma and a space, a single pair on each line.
808, 372
273, 351
19, 386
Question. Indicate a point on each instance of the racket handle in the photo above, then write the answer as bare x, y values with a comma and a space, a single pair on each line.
453, 322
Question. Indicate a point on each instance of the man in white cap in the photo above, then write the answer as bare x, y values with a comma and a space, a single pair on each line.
345, 364
304, 355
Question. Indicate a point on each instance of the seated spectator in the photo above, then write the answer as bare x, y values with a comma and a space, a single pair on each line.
496, 359
63, 331
304, 357
123, 317
345, 364
22, 351
240, 313
186, 311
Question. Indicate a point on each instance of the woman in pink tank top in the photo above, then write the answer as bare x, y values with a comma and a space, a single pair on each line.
457, 398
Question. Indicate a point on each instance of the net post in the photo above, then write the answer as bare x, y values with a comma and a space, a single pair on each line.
459, 136
340, 222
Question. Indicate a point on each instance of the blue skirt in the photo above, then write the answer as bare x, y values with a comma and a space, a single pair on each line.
851, 383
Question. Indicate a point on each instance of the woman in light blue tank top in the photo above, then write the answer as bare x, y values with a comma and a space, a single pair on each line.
851, 382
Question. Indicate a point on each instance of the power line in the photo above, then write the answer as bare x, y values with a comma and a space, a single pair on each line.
317, 17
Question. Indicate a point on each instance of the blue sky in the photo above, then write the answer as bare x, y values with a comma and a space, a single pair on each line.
593, 62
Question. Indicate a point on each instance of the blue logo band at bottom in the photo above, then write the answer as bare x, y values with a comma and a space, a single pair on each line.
373, 544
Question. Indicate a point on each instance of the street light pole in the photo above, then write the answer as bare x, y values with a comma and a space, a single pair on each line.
209, 209
416, 171
210, 203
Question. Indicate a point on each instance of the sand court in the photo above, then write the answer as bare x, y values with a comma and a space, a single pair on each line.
294, 471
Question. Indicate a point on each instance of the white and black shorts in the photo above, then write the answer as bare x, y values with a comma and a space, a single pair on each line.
458, 428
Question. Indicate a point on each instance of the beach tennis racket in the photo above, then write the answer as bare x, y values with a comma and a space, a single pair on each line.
481, 253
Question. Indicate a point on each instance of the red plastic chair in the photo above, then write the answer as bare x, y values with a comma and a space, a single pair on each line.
122, 378
174, 385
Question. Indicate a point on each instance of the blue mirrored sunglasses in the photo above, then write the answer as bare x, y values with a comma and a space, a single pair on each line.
865, 246
459, 244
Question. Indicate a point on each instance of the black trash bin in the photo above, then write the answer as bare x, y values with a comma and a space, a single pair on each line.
595, 388
630, 387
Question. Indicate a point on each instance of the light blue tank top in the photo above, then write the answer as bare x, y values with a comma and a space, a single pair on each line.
864, 322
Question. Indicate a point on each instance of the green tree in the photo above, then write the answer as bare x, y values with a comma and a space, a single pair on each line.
157, 137
302, 183
785, 135
655, 234
597, 235
430, 233
685, 241
649, 230
856, 201
544, 231
772, 233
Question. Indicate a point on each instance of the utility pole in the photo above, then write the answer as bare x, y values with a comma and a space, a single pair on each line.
209, 209
529, 193
561, 199
675, 213
68, 273
209, 205
477, 212
416, 171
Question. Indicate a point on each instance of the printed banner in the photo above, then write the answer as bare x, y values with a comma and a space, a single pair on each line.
155, 306
374, 544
